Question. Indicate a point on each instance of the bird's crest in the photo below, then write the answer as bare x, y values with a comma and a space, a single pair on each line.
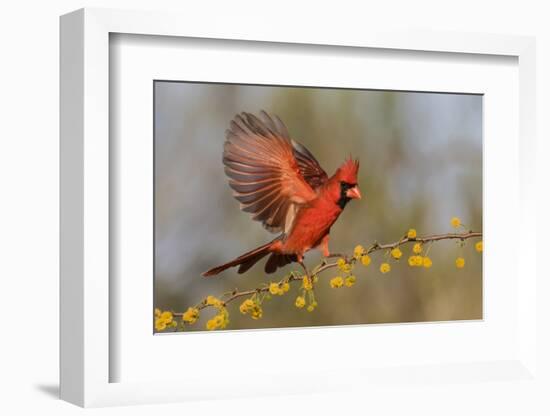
347, 172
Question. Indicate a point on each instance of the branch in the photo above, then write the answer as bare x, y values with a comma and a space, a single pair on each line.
235, 294
389, 246
310, 277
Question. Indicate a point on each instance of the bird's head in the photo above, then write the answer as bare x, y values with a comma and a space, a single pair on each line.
346, 177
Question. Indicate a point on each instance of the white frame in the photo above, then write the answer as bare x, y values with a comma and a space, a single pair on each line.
85, 179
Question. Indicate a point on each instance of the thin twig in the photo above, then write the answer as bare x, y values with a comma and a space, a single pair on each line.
430, 238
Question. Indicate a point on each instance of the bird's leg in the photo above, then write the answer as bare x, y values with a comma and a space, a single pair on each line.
300, 261
323, 246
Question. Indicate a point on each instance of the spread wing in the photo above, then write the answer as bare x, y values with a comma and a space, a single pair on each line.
264, 172
312, 172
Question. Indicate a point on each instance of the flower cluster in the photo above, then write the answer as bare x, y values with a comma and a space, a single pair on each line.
191, 315
308, 295
221, 319
346, 267
359, 253
252, 307
307, 283
420, 261
417, 259
164, 320
279, 288
213, 301
339, 281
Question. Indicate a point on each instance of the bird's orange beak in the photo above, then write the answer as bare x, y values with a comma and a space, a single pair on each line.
353, 193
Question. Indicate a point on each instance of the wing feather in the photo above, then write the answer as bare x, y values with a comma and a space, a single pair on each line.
312, 172
264, 170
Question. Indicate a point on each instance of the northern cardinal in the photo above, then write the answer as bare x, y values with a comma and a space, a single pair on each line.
281, 184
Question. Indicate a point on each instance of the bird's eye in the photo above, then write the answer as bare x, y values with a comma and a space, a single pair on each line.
346, 185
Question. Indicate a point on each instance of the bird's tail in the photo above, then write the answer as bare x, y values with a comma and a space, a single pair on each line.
245, 261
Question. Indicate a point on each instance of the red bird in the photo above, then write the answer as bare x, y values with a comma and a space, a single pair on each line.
281, 184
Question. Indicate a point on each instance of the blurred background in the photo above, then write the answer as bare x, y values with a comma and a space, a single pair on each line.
421, 164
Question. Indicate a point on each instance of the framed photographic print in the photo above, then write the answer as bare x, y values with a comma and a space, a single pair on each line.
407, 136
294, 199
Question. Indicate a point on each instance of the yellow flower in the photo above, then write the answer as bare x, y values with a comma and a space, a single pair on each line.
279, 288
411, 233
166, 316
246, 306
211, 324
190, 315
219, 319
358, 251
274, 289
415, 261
479, 246
300, 302
257, 312
312, 306
307, 284
427, 262
160, 324
385, 267
396, 253
455, 222
350, 281
343, 265
365, 260
163, 320
417, 248
460, 262
213, 301
336, 282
